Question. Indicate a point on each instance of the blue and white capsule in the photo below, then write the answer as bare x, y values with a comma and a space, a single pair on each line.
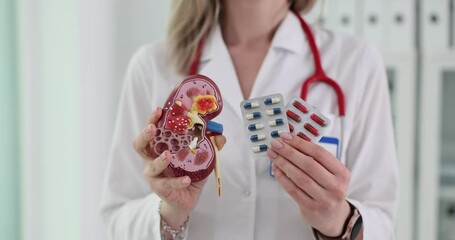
251, 105
257, 137
255, 126
252, 116
275, 134
274, 111
260, 148
272, 100
276, 122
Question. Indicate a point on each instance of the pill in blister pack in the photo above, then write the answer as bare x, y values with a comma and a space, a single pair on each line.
250, 105
276, 122
264, 118
274, 111
305, 121
254, 115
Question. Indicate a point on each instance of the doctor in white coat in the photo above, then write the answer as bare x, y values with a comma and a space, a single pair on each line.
255, 48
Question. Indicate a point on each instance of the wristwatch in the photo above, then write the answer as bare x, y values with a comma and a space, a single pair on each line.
353, 228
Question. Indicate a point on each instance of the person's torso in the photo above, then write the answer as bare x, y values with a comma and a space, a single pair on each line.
253, 204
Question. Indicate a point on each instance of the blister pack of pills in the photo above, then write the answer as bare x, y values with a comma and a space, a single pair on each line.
264, 118
305, 120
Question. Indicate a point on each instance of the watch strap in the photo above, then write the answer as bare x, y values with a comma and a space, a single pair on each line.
353, 228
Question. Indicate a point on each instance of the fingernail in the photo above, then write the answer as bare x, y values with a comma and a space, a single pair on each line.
272, 153
276, 144
286, 136
186, 180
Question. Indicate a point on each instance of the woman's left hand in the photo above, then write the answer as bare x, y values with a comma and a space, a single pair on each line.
315, 179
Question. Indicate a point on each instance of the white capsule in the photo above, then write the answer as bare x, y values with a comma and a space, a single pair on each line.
276, 122
257, 137
256, 126
252, 116
273, 112
250, 105
260, 148
273, 100
276, 134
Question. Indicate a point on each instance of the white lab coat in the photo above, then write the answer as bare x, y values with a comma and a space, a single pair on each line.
253, 205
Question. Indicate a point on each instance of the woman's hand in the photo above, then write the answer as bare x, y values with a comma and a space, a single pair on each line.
315, 179
179, 196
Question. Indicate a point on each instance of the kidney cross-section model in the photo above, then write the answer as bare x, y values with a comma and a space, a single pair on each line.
183, 128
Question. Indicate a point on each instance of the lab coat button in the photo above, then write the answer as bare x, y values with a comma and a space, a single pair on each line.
247, 193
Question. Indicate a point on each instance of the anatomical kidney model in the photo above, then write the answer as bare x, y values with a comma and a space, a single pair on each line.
183, 128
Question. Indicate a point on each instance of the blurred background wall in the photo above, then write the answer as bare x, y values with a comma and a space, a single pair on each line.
62, 64
9, 143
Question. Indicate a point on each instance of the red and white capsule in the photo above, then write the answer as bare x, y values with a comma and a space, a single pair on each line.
311, 129
318, 119
292, 115
300, 106
303, 136
291, 128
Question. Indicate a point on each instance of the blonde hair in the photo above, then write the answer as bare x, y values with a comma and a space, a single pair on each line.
191, 20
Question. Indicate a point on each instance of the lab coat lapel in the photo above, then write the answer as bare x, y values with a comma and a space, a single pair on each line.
216, 63
287, 44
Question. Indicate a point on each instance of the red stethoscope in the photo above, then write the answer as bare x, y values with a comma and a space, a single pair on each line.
319, 74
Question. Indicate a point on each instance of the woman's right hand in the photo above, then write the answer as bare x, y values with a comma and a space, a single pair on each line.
179, 195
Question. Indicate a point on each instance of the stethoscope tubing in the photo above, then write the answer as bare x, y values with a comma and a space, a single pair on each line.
320, 76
